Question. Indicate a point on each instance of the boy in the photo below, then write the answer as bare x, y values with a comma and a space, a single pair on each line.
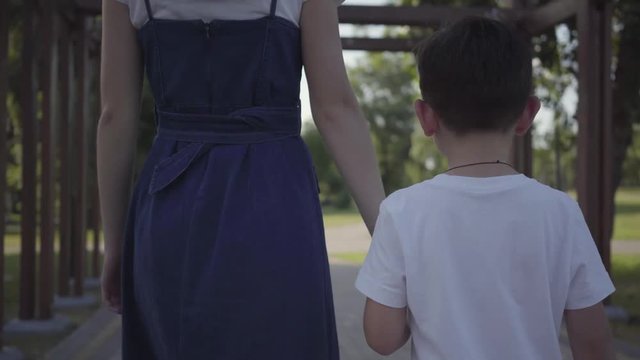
481, 263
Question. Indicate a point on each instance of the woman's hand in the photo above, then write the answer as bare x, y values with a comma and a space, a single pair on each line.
111, 283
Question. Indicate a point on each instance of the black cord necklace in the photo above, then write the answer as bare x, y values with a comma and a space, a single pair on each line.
482, 163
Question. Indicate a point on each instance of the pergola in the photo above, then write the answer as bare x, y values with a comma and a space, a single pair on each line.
64, 68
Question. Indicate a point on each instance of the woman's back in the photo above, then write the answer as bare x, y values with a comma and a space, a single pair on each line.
224, 253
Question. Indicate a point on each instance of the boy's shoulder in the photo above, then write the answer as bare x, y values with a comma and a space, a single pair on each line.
539, 193
433, 190
401, 197
405, 200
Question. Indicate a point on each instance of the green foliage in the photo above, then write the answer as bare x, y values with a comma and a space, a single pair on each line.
333, 191
340, 217
627, 220
425, 161
356, 258
385, 86
631, 168
625, 271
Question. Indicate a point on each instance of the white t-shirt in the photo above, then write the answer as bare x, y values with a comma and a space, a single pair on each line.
209, 10
486, 266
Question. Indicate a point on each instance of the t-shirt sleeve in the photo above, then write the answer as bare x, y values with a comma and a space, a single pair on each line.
126, 2
382, 277
590, 282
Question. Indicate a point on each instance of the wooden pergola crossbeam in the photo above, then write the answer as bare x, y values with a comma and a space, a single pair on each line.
595, 134
544, 17
424, 15
533, 21
89, 7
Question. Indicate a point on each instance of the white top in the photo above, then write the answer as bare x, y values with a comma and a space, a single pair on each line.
486, 266
209, 10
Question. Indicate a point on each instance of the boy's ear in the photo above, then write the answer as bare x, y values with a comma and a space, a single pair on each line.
528, 115
427, 117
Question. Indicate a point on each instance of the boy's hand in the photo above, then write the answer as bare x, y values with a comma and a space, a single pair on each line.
589, 333
385, 328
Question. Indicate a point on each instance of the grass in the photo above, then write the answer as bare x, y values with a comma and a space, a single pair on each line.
625, 270
12, 242
627, 222
353, 257
334, 217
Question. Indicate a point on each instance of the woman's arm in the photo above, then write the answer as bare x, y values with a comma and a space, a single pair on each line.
335, 109
121, 83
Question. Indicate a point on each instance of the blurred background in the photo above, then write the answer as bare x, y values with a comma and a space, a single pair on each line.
586, 141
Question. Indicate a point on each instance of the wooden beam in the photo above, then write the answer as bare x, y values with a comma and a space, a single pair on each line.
542, 18
64, 154
93, 194
424, 15
48, 83
4, 84
29, 161
594, 183
89, 7
386, 44
80, 173
534, 21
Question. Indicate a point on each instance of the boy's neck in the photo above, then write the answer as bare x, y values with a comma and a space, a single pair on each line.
479, 148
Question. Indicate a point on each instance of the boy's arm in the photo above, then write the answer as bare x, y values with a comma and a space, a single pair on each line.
382, 280
385, 328
589, 333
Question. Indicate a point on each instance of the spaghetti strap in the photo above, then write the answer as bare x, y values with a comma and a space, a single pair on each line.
149, 12
274, 5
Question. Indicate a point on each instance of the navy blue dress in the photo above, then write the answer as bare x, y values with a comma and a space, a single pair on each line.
224, 254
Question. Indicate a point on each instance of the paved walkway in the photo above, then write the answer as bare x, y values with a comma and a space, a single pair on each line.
99, 338
625, 247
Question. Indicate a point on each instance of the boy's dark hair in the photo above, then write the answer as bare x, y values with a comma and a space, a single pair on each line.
476, 75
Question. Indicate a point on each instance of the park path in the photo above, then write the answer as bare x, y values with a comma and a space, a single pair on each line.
625, 247
99, 338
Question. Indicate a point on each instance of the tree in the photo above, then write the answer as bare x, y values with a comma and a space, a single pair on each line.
333, 191
626, 88
631, 168
385, 86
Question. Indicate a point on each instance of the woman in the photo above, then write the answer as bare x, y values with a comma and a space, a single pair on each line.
224, 254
